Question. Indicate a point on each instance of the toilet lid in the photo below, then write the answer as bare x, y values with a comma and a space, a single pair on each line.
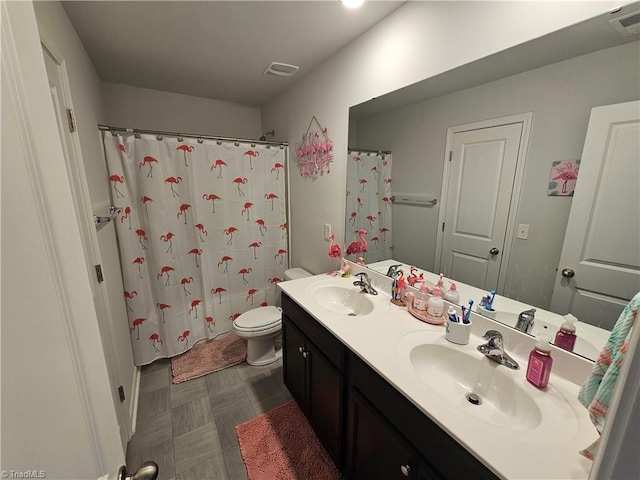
259, 317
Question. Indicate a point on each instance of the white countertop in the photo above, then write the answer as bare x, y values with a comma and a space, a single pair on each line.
508, 453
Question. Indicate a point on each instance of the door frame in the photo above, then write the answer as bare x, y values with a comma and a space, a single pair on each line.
82, 203
526, 119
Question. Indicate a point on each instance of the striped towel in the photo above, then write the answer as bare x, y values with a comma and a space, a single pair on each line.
598, 388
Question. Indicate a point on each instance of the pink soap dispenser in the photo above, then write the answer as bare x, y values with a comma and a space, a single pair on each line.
540, 362
566, 336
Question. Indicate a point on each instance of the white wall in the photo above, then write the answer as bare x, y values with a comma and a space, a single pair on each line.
57, 413
561, 97
148, 109
417, 41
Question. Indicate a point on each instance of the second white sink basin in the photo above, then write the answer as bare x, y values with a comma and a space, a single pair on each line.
506, 399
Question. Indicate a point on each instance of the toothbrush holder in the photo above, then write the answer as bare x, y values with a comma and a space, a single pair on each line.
486, 312
458, 332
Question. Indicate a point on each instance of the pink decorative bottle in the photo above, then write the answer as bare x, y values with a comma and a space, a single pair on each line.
566, 336
540, 362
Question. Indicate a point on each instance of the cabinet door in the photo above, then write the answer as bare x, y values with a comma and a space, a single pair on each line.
325, 402
375, 451
294, 363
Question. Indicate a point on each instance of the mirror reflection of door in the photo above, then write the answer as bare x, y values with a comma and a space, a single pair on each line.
482, 169
599, 268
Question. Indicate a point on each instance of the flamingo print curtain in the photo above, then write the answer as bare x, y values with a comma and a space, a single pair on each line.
202, 233
369, 204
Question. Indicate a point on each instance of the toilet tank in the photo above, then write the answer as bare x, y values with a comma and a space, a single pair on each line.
295, 273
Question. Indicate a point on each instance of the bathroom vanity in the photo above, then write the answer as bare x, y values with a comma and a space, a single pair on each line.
348, 363
344, 398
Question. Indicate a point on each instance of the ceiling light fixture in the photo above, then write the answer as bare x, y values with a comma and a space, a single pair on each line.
352, 3
281, 69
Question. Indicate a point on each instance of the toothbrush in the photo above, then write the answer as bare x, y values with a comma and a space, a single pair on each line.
490, 302
463, 314
465, 318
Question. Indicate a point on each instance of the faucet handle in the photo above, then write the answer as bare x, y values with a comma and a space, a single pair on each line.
493, 338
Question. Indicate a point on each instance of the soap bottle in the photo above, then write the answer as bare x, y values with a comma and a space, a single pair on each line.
421, 299
540, 362
452, 294
435, 306
440, 283
566, 336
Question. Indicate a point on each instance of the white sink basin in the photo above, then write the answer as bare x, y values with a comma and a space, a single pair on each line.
507, 400
341, 297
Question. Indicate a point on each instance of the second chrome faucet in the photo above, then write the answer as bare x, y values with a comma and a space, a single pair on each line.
494, 350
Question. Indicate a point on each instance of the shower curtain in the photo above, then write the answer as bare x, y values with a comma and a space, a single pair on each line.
369, 203
202, 234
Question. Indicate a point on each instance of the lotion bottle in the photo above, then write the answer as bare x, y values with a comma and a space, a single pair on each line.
452, 294
540, 362
566, 336
435, 307
421, 300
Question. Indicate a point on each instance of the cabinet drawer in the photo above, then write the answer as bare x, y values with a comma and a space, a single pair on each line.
445, 455
324, 340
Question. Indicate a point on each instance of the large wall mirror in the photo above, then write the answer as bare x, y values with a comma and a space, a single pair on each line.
548, 86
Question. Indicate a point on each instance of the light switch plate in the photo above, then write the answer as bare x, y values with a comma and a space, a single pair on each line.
523, 231
327, 231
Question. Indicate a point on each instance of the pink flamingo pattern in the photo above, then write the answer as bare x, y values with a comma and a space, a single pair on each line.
184, 282
179, 216
148, 160
135, 325
129, 296
162, 307
201, 231
218, 291
251, 154
240, 181
212, 197
115, 179
145, 200
155, 338
218, 164
173, 181
210, 322
567, 173
185, 149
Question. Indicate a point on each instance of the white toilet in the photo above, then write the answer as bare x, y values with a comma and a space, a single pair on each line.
262, 326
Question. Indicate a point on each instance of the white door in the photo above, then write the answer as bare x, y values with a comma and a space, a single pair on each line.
599, 268
82, 203
479, 190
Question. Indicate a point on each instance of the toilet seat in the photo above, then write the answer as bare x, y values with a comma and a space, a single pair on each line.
259, 319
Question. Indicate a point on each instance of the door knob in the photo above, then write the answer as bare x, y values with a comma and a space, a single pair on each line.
406, 470
494, 251
568, 273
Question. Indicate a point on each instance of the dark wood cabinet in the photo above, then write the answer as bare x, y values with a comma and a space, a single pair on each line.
315, 380
374, 449
370, 430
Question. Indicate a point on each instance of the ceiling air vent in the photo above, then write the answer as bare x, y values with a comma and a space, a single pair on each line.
627, 25
281, 69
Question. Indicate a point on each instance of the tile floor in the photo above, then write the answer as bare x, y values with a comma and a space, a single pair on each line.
188, 429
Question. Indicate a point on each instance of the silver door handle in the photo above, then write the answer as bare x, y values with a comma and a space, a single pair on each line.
568, 273
494, 251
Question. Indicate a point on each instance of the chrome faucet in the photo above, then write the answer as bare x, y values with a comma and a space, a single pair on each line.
525, 320
494, 350
365, 283
393, 269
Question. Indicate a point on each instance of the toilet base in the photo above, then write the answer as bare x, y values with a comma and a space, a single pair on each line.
262, 351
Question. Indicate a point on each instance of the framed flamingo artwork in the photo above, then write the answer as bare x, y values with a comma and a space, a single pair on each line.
562, 181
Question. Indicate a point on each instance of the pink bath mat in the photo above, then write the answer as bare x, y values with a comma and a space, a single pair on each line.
208, 357
281, 445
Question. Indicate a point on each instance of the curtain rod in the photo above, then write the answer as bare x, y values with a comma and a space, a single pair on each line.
366, 150
189, 135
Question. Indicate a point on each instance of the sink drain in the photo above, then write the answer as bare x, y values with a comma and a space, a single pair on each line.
351, 314
473, 399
